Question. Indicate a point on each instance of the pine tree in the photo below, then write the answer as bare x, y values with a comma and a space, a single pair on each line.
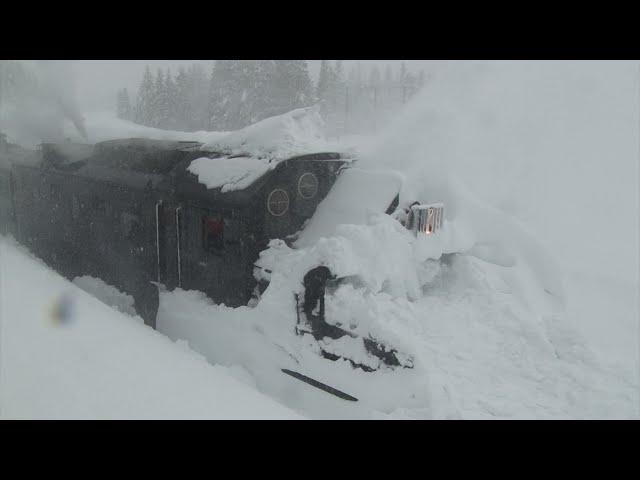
223, 93
292, 85
375, 83
15, 82
256, 80
123, 106
402, 81
180, 107
197, 98
387, 83
143, 114
339, 72
402, 74
2, 83
128, 109
158, 101
119, 112
172, 120
338, 87
324, 81
244, 92
329, 87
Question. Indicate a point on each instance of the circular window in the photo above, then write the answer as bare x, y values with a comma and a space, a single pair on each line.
278, 202
308, 185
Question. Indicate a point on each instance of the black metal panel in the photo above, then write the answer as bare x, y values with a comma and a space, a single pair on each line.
130, 213
221, 273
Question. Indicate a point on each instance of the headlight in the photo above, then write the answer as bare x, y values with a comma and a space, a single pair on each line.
278, 202
308, 185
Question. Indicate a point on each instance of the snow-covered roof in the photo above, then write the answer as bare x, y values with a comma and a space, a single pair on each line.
230, 160
230, 173
254, 150
297, 132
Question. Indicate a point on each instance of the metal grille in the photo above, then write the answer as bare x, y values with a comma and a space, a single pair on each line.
426, 219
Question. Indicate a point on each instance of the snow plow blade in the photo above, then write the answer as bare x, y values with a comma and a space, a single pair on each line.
320, 385
311, 320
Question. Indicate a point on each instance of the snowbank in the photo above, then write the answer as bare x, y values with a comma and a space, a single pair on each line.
107, 294
479, 350
65, 354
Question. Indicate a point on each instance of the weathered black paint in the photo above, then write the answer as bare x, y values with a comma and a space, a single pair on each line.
130, 213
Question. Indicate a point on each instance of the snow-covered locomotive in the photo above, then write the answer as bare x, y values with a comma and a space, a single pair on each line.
133, 213
145, 215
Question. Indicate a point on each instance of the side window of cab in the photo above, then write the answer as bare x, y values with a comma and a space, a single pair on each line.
213, 234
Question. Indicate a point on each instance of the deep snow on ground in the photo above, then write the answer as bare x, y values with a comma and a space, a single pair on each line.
94, 362
537, 166
485, 343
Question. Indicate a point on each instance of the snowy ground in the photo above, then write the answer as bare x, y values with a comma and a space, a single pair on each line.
479, 351
94, 362
479, 354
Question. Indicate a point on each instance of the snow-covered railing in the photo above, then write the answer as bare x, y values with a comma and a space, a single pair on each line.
426, 218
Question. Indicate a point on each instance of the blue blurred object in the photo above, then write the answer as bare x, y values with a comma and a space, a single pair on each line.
62, 311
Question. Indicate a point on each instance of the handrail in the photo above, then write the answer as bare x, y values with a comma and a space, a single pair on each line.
158, 205
178, 245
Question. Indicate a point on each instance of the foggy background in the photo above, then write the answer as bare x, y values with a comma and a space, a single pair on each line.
99, 80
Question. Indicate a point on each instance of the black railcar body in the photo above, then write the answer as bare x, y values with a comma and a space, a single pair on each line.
131, 213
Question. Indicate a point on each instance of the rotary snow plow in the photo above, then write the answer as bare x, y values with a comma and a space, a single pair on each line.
333, 338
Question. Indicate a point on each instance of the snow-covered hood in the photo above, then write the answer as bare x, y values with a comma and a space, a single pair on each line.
297, 132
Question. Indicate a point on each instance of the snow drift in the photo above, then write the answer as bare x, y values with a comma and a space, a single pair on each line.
66, 355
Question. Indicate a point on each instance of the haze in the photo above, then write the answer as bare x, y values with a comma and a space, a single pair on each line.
97, 81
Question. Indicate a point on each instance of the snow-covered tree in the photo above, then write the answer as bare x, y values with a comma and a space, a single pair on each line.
292, 85
181, 107
245, 91
324, 81
331, 87
172, 120
224, 92
16, 82
402, 73
339, 72
123, 107
256, 81
143, 114
197, 98
159, 103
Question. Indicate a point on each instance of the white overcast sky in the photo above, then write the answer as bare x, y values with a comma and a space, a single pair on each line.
97, 81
